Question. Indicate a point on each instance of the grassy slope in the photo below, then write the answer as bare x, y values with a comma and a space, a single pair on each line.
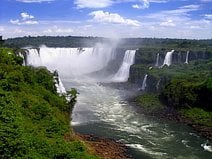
34, 120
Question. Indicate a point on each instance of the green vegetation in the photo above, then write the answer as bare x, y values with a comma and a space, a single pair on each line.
58, 41
191, 97
149, 101
77, 41
185, 87
34, 120
198, 116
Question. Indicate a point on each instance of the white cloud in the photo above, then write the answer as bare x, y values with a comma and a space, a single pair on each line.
2, 28
14, 21
93, 3
177, 23
143, 5
140, 4
34, 1
181, 12
56, 29
26, 16
158, 1
208, 16
190, 7
28, 22
106, 17
168, 23
136, 6
26, 19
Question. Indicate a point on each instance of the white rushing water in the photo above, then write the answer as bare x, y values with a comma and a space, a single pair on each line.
123, 73
102, 110
21, 55
168, 58
77, 61
59, 85
157, 60
187, 54
144, 83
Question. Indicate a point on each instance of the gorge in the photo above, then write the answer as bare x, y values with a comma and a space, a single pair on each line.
103, 109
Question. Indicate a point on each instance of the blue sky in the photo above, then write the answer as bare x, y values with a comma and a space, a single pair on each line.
191, 19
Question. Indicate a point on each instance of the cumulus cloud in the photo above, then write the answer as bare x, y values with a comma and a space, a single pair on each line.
34, 1
26, 16
26, 19
106, 17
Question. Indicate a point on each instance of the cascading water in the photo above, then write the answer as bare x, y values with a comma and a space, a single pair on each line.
21, 55
102, 110
187, 54
144, 83
157, 60
123, 73
168, 58
78, 61
179, 57
59, 85
158, 84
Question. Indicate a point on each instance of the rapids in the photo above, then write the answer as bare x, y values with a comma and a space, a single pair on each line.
103, 110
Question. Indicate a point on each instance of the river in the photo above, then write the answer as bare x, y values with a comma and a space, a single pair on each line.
103, 110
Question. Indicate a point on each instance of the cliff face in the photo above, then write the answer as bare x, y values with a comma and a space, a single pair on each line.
145, 63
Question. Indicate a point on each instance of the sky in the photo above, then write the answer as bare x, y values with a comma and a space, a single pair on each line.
187, 19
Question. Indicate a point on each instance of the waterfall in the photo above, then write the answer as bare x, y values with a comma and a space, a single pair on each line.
22, 55
59, 85
144, 84
71, 61
158, 84
157, 60
33, 58
187, 54
179, 57
168, 58
123, 73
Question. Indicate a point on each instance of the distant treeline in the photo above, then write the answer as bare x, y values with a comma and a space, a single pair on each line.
50, 41
77, 41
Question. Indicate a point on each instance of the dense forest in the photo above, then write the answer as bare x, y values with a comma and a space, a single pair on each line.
37, 119
76, 41
34, 119
184, 87
60, 41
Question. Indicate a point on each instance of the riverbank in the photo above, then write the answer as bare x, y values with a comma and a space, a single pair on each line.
149, 104
105, 148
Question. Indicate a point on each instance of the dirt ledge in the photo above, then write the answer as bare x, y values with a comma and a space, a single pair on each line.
104, 148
